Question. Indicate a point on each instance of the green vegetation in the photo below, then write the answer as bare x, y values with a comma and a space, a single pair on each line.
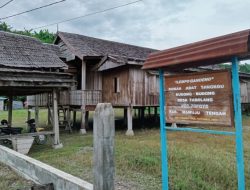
43, 35
196, 161
244, 67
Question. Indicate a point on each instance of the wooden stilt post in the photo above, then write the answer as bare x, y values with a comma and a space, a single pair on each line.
74, 117
28, 118
83, 127
125, 113
36, 111
142, 117
130, 131
155, 113
149, 111
87, 119
135, 112
49, 117
57, 143
10, 108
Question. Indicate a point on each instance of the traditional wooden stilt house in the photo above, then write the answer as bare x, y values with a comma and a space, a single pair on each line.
29, 67
107, 71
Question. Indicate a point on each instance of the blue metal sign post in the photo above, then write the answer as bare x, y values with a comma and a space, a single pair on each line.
238, 124
164, 150
237, 121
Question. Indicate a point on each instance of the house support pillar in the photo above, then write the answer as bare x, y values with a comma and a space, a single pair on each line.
36, 111
149, 111
49, 122
56, 143
10, 107
28, 117
130, 131
74, 117
142, 116
83, 122
125, 120
83, 113
87, 119
155, 114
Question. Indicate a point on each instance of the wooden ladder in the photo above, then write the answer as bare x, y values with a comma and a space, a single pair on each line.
64, 118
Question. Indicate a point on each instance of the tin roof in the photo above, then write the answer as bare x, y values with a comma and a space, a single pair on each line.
208, 52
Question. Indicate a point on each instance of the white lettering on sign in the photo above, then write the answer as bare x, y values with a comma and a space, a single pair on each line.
182, 100
209, 93
172, 111
190, 112
206, 79
191, 87
216, 113
200, 106
184, 94
201, 99
174, 88
215, 86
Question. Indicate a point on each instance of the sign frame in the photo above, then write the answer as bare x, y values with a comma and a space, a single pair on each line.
228, 85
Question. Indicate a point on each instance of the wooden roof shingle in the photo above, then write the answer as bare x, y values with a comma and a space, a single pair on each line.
84, 46
18, 51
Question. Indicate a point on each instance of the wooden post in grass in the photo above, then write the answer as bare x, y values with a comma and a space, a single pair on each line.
104, 133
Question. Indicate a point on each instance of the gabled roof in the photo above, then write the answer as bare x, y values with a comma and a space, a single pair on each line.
18, 51
84, 46
208, 52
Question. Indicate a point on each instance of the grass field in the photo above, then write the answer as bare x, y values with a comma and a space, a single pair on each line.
196, 161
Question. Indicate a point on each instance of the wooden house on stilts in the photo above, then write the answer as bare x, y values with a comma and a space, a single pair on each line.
106, 71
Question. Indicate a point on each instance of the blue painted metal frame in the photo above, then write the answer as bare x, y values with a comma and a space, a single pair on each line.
201, 131
238, 126
164, 150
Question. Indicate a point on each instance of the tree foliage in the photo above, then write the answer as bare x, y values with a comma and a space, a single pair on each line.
44, 35
244, 67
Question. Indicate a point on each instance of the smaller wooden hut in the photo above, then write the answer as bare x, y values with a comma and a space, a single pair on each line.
29, 67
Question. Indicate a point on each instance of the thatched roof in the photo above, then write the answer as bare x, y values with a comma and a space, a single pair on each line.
84, 46
18, 51
27, 66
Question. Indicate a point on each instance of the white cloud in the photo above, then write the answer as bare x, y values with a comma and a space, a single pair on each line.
153, 23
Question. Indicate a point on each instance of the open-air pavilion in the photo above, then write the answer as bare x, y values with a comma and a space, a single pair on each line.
27, 67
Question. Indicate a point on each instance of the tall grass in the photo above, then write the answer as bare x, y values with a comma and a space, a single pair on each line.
196, 161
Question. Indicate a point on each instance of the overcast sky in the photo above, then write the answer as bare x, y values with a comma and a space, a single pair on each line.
156, 24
